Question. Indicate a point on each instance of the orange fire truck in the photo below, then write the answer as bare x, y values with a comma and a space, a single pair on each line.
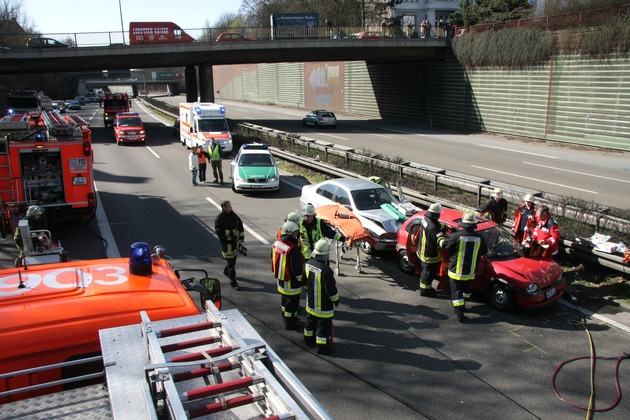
45, 159
112, 104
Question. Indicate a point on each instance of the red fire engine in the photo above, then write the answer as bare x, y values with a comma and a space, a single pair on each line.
45, 159
112, 104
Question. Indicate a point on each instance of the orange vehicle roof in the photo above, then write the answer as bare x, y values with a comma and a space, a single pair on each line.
66, 304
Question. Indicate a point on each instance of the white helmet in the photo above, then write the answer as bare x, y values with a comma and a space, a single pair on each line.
529, 197
321, 249
34, 211
308, 210
497, 193
468, 219
294, 217
289, 227
434, 210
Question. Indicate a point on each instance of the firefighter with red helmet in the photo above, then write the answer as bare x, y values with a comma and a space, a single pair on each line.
546, 234
287, 265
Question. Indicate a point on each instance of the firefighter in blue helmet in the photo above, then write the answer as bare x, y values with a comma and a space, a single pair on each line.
465, 249
321, 299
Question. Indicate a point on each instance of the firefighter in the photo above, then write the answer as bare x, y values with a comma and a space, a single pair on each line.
430, 237
321, 299
34, 216
496, 207
216, 153
465, 248
380, 181
294, 217
524, 218
287, 266
231, 233
546, 234
312, 229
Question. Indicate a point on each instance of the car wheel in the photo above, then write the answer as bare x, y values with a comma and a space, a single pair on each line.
304, 123
405, 265
366, 247
500, 297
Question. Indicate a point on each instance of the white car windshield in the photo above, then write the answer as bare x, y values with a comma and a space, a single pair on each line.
255, 159
501, 243
372, 199
208, 126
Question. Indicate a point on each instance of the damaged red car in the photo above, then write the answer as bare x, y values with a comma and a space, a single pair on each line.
506, 279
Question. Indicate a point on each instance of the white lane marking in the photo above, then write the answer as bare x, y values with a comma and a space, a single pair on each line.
577, 172
533, 179
372, 134
247, 228
105, 228
331, 135
151, 150
518, 151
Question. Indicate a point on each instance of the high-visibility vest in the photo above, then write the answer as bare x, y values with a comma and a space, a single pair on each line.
202, 158
464, 265
215, 152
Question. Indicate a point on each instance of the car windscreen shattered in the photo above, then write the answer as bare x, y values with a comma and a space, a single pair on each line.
501, 244
372, 199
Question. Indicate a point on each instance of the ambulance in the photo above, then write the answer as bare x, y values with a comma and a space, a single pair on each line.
201, 122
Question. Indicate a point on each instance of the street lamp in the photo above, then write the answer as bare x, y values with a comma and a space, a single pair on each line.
122, 25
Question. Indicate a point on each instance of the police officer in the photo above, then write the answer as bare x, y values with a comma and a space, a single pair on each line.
321, 299
465, 249
430, 237
216, 153
287, 266
312, 229
229, 228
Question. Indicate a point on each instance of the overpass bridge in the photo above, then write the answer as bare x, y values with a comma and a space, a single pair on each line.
198, 58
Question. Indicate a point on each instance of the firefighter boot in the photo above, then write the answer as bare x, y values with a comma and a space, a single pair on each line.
427, 290
309, 340
461, 317
325, 349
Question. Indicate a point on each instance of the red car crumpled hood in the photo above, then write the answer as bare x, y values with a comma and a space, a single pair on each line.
542, 273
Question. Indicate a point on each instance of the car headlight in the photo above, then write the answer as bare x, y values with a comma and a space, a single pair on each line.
532, 288
237, 178
273, 179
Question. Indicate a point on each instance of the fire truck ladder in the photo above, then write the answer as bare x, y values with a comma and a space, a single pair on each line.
198, 368
69, 126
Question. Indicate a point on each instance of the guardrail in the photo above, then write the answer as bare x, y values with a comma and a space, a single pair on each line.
482, 187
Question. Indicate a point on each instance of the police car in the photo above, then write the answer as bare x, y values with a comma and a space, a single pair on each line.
254, 169
128, 128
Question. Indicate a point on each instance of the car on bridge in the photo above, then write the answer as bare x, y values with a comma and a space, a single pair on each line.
231, 37
504, 276
41, 42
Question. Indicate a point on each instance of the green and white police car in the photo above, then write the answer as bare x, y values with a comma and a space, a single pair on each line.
255, 169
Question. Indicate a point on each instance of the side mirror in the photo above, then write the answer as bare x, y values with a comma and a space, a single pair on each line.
213, 292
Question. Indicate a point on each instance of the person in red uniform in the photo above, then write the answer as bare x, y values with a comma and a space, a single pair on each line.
524, 218
546, 233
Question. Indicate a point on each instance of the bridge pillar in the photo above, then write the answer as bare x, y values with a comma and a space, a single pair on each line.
190, 74
206, 83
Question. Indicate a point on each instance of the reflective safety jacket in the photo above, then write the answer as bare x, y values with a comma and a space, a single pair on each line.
202, 157
322, 289
224, 224
524, 219
465, 249
287, 265
547, 232
430, 237
215, 152
312, 232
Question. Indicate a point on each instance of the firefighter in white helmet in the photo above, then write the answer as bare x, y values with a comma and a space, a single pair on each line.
465, 248
524, 218
312, 229
431, 234
287, 265
321, 299
496, 207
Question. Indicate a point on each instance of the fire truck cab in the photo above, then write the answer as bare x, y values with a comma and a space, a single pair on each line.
112, 104
45, 159
128, 128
